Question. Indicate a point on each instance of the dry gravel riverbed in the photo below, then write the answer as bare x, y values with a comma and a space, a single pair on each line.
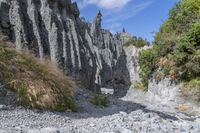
120, 117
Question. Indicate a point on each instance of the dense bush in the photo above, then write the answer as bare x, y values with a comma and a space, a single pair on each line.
186, 55
176, 50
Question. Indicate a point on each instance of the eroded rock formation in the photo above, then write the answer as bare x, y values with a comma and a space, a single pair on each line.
53, 29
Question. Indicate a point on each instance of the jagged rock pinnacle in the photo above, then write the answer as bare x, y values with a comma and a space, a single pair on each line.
96, 25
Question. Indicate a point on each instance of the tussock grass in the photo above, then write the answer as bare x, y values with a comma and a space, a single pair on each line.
38, 84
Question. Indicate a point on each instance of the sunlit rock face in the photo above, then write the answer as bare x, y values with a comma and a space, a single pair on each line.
53, 29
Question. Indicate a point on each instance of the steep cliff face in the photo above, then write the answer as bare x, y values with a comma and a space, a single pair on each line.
53, 29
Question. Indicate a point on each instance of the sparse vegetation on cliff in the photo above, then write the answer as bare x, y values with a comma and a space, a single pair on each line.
137, 42
176, 50
38, 84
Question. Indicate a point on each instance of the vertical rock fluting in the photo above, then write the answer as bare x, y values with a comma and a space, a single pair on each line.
4, 18
53, 29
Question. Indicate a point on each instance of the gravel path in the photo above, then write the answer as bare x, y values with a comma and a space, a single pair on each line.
119, 117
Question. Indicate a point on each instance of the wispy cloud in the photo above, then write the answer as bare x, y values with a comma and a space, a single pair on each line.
106, 4
128, 13
114, 18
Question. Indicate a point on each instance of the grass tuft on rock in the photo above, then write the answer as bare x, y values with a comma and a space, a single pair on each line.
38, 83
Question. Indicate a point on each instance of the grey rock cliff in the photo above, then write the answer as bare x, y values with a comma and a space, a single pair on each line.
53, 29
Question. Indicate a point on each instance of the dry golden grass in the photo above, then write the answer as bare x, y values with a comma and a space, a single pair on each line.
39, 84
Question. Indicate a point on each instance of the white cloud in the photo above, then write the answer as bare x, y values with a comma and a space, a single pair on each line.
106, 4
111, 4
128, 13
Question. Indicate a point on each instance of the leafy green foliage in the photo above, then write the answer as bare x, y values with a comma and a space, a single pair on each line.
181, 18
186, 54
146, 61
176, 50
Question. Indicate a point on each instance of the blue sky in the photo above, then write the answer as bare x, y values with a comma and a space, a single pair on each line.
139, 17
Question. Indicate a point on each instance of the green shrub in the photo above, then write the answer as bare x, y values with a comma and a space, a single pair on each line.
100, 100
186, 54
176, 50
147, 62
